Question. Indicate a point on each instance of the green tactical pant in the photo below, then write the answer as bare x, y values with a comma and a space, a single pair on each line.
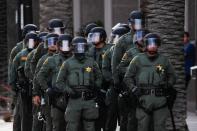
17, 115
57, 112
37, 125
46, 109
26, 111
112, 110
151, 113
79, 111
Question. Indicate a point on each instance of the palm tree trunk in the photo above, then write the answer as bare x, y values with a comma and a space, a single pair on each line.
61, 9
166, 17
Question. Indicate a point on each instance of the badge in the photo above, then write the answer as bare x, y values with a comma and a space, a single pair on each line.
23, 58
159, 69
88, 69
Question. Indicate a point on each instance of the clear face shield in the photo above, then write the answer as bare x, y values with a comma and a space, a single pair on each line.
139, 38
135, 23
31, 44
89, 38
57, 30
51, 42
65, 46
95, 38
152, 45
79, 48
115, 38
43, 38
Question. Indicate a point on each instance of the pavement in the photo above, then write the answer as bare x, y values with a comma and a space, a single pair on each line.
191, 121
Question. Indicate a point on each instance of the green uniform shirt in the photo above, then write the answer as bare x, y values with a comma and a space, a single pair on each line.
126, 59
28, 72
124, 43
18, 62
14, 52
74, 73
149, 73
106, 65
50, 68
40, 51
36, 86
98, 53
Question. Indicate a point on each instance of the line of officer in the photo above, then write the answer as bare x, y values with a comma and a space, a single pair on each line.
136, 22
80, 78
111, 95
97, 53
148, 76
20, 82
39, 94
51, 68
19, 46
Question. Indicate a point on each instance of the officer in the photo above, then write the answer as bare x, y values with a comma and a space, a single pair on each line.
80, 78
36, 125
97, 53
51, 68
20, 82
88, 35
136, 22
40, 97
111, 96
130, 100
55, 26
148, 76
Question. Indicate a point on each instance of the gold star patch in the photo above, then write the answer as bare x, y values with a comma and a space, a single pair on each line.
125, 56
23, 58
88, 69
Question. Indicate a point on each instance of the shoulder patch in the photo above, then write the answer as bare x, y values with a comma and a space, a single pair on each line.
23, 58
125, 56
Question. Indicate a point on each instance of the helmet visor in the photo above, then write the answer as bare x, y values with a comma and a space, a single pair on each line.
65, 46
57, 30
31, 44
43, 38
152, 44
116, 38
137, 24
95, 37
79, 48
89, 39
52, 41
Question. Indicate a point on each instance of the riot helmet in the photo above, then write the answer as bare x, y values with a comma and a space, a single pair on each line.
88, 28
117, 33
64, 43
29, 28
136, 20
31, 40
79, 46
98, 35
42, 36
152, 42
51, 41
56, 26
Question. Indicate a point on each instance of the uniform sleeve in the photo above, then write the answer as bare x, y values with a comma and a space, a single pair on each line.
44, 73
36, 86
35, 58
116, 58
170, 74
61, 82
106, 66
27, 70
129, 78
97, 75
13, 77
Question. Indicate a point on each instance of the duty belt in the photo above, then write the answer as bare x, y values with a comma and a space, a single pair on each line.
153, 91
